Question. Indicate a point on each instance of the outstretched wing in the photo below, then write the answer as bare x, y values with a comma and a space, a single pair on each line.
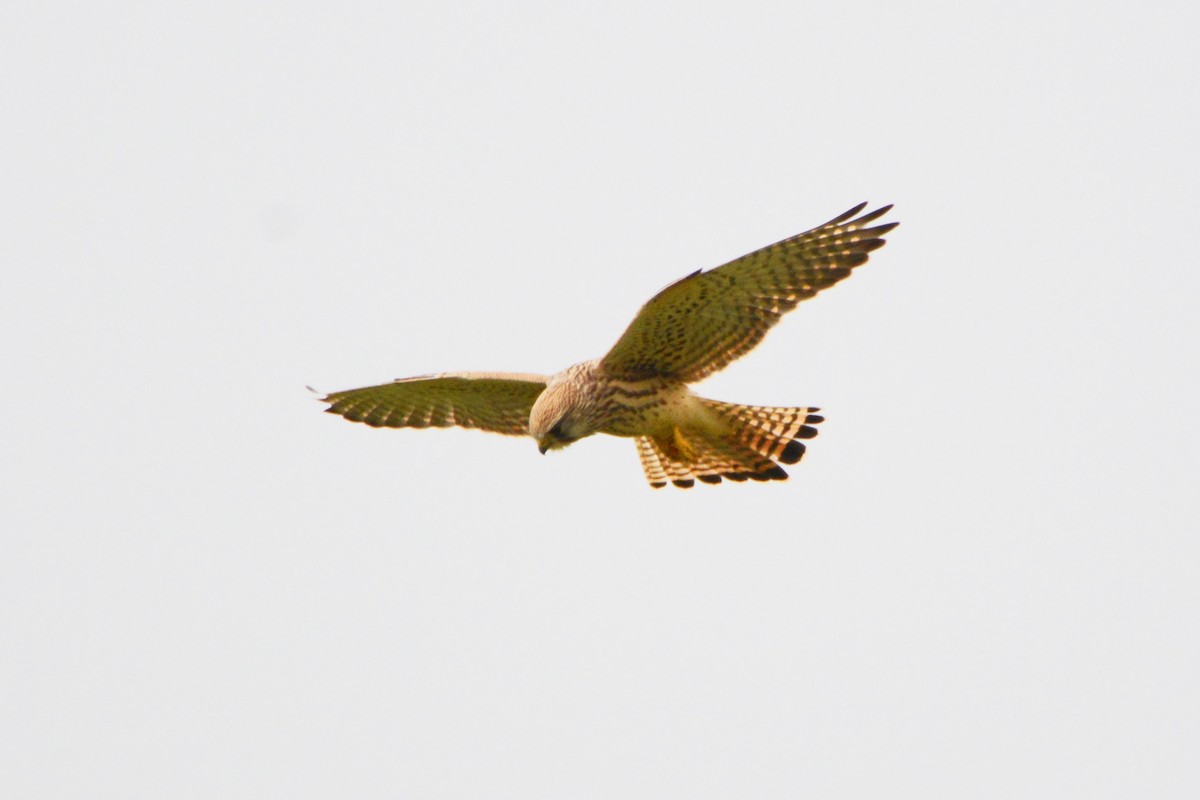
490, 401
697, 325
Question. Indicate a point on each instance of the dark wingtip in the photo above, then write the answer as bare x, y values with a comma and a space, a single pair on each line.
775, 473
876, 214
856, 209
793, 452
657, 484
710, 478
806, 432
686, 483
846, 215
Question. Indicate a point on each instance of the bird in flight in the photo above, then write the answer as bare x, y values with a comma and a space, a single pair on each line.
686, 332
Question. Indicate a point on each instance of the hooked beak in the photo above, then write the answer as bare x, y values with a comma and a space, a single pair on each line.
543, 446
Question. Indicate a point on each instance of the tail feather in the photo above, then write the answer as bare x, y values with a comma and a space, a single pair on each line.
758, 440
775, 432
656, 473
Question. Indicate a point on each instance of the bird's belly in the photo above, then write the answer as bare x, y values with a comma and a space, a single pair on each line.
652, 407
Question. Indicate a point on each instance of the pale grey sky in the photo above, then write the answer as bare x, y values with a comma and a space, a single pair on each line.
981, 582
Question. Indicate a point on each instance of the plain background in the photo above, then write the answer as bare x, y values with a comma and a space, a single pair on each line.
981, 582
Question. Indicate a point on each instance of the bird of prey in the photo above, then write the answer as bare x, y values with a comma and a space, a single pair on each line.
639, 390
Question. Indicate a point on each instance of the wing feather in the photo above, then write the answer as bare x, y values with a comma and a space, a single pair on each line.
490, 401
699, 324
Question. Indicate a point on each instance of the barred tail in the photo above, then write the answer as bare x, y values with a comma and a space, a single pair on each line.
776, 433
757, 438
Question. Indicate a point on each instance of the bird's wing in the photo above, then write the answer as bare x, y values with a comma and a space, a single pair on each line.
701, 323
491, 401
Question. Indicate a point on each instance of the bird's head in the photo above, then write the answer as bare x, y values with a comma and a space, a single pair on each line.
553, 420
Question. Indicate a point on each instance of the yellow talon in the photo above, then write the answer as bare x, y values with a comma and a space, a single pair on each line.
685, 449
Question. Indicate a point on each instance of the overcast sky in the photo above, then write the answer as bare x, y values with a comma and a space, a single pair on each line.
981, 582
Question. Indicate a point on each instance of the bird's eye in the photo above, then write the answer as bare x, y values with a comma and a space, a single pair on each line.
557, 431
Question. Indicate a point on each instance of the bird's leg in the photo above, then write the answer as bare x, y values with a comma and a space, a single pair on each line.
683, 450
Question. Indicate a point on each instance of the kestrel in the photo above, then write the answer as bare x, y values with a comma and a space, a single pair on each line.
639, 390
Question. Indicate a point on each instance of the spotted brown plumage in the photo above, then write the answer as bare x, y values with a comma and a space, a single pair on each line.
492, 401
701, 323
689, 330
